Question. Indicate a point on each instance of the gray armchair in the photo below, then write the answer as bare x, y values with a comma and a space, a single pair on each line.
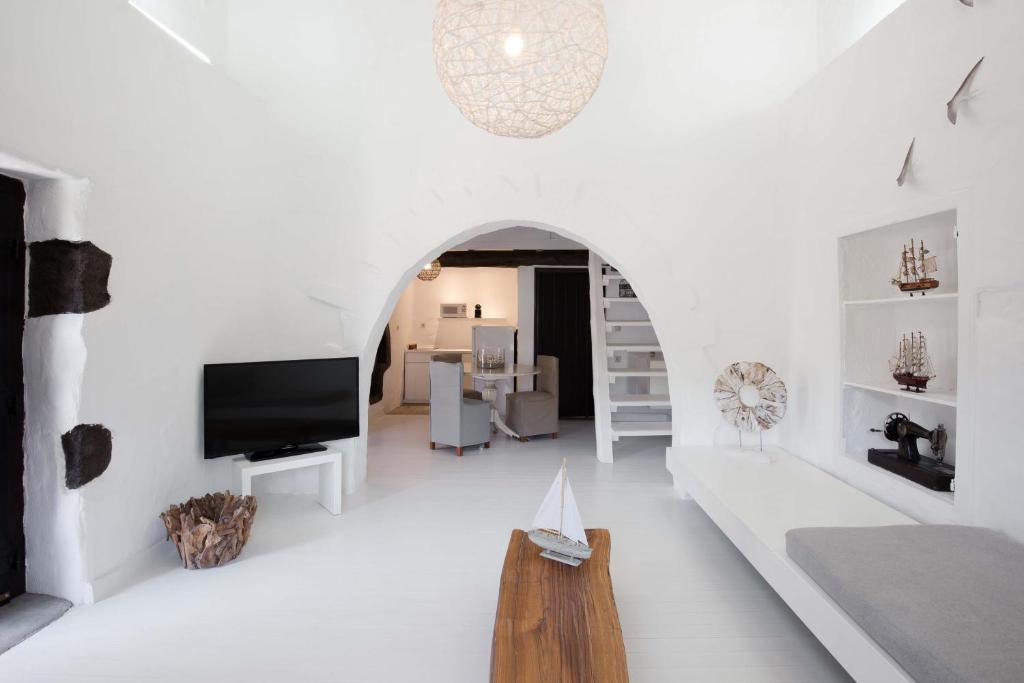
457, 358
455, 420
536, 412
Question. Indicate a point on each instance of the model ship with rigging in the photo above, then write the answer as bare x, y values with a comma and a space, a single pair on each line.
915, 270
912, 365
568, 544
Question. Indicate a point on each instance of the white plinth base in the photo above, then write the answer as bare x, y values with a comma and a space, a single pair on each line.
327, 462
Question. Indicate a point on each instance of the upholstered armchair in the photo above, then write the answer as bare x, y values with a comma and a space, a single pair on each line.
455, 420
457, 358
536, 412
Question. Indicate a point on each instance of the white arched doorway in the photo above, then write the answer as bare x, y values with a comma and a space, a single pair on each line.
653, 254
600, 382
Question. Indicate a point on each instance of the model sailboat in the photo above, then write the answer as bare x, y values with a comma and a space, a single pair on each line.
915, 270
912, 365
558, 527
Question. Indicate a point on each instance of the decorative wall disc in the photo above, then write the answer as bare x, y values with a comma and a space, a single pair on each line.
520, 68
751, 396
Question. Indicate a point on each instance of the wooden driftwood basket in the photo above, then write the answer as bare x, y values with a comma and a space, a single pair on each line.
212, 530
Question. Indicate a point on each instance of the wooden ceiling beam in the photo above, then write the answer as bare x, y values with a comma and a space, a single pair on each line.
513, 258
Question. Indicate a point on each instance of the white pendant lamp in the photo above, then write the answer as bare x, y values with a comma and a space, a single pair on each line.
520, 68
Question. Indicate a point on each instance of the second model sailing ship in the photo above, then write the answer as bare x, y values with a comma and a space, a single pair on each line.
568, 544
912, 365
916, 269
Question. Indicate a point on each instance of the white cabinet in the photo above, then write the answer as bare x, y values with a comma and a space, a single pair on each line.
417, 373
417, 376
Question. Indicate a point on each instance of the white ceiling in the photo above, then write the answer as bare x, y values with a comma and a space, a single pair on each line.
519, 238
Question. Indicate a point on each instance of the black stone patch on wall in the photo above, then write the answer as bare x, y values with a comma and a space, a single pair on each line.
380, 366
67, 277
86, 454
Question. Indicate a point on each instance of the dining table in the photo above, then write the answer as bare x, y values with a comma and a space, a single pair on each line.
490, 377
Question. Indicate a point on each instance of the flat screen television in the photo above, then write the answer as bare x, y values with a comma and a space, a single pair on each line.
278, 408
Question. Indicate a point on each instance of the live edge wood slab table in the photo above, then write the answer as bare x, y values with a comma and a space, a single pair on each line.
557, 623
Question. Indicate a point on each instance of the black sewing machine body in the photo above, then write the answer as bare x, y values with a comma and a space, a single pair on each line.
906, 460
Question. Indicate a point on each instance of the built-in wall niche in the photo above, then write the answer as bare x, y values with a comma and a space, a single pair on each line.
875, 315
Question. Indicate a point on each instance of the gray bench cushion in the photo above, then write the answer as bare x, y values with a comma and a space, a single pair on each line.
946, 602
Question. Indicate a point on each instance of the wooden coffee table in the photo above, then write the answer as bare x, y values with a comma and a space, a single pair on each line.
554, 622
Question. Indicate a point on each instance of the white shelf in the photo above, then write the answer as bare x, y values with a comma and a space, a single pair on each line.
642, 428
612, 277
655, 372
912, 499
634, 347
902, 300
941, 398
875, 315
641, 401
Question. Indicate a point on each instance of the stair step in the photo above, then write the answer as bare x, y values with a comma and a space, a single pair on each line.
627, 323
641, 401
642, 428
609, 300
625, 372
634, 347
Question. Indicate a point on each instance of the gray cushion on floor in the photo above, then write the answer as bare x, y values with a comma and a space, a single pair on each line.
946, 602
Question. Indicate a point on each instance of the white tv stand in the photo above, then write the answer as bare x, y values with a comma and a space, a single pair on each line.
327, 462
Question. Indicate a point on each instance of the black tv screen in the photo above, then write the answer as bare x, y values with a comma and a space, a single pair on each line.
251, 407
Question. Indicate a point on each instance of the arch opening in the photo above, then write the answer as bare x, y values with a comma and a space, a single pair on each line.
603, 409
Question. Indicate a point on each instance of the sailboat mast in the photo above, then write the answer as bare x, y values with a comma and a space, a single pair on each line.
915, 342
561, 507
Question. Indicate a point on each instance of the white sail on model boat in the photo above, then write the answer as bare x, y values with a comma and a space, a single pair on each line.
557, 527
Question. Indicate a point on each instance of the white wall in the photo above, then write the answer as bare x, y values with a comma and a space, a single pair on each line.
519, 238
527, 339
232, 241
186, 193
401, 335
495, 289
416, 316
841, 23
670, 171
846, 136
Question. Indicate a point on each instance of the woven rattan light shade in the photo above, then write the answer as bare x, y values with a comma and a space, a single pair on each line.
430, 271
520, 68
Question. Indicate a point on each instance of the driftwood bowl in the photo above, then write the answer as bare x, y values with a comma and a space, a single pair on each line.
212, 530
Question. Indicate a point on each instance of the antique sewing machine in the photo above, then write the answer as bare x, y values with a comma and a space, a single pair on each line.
906, 460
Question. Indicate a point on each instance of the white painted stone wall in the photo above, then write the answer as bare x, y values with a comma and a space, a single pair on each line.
186, 192
670, 172
846, 136
54, 356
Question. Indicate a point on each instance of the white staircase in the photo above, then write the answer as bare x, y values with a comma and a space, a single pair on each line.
630, 379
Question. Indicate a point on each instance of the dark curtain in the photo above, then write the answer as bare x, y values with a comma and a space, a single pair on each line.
562, 329
380, 366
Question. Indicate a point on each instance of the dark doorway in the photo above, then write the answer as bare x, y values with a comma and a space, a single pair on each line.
12, 389
562, 329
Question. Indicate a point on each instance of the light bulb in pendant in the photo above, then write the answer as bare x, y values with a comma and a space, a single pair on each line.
514, 44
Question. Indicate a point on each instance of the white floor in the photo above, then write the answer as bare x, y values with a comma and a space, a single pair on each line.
403, 586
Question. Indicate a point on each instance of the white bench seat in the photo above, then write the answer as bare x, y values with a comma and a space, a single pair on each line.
755, 499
